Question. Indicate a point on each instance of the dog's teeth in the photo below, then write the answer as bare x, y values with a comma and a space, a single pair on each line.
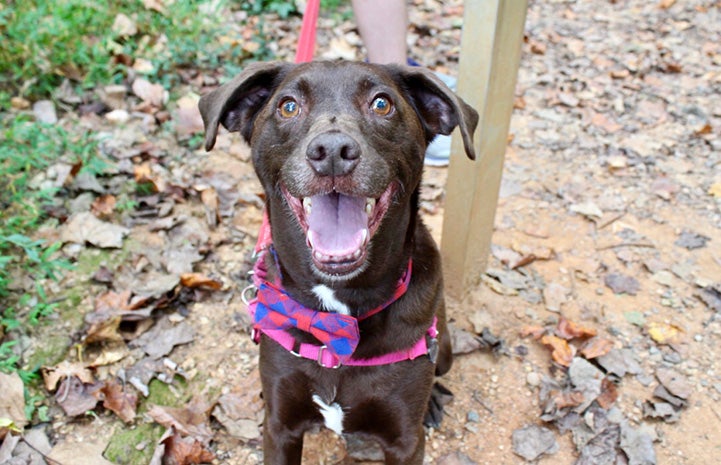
318, 255
356, 254
307, 205
364, 238
309, 239
370, 205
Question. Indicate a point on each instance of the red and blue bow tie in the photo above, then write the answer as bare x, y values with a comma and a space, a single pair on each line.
276, 310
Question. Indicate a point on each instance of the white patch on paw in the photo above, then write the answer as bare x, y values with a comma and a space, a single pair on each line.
328, 300
333, 414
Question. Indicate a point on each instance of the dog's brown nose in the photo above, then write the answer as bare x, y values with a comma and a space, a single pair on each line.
333, 154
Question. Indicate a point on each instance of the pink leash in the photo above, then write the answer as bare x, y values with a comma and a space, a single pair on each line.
306, 42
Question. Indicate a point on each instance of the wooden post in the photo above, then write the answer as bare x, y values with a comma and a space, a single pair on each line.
490, 54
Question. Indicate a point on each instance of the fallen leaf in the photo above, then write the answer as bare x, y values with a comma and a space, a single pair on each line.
75, 396
85, 227
622, 284
187, 116
462, 341
12, 403
145, 177
534, 331
78, 453
665, 333
691, 240
160, 340
562, 352
531, 442
64, 370
596, 347
118, 400
210, 200
153, 94
240, 412
609, 394
569, 330
123, 26
674, 382
191, 420
198, 280
103, 206
185, 451
666, 4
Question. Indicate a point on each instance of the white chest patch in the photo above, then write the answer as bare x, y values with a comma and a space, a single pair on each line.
332, 414
328, 300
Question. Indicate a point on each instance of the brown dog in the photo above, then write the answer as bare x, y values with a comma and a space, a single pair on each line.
339, 148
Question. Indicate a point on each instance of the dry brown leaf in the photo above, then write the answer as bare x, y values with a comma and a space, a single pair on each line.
194, 280
609, 394
596, 347
211, 203
704, 130
534, 331
570, 330
118, 400
107, 330
103, 206
190, 421
64, 370
12, 402
144, 176
153, 94
564, 399
75, 396
562, 353
666, 4
85, 227
185, 451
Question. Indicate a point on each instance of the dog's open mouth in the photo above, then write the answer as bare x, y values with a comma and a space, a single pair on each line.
338, 227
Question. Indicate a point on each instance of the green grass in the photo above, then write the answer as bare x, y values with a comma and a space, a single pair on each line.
27, 149
47, 41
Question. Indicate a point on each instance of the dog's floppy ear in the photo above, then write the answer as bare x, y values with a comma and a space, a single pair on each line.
438, 107
236, 103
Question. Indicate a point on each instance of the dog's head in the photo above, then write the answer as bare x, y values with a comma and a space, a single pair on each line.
338, 146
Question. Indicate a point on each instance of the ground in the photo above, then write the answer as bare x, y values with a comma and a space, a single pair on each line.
608, 217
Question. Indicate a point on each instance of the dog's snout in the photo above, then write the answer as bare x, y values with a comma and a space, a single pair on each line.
333, 154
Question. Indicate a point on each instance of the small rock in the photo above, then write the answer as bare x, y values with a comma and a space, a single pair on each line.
118, 116
44, 111
533, 379
622, 284
473, 416
530, 442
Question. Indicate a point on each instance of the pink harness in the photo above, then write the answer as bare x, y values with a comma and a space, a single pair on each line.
321, 353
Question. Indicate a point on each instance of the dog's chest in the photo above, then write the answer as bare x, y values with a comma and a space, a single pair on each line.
332, 414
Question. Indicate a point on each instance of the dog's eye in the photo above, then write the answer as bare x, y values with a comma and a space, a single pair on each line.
381, 106
289, 108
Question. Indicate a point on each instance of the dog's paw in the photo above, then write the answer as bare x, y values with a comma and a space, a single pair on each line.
440, 396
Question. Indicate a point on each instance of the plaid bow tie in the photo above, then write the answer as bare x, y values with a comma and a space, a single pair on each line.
273, 309
277, 310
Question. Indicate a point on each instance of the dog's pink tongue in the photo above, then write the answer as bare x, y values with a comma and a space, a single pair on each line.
337, 224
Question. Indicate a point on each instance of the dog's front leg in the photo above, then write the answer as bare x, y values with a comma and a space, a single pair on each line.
280, 448
407, 453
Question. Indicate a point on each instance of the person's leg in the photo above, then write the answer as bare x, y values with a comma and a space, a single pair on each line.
383, 25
